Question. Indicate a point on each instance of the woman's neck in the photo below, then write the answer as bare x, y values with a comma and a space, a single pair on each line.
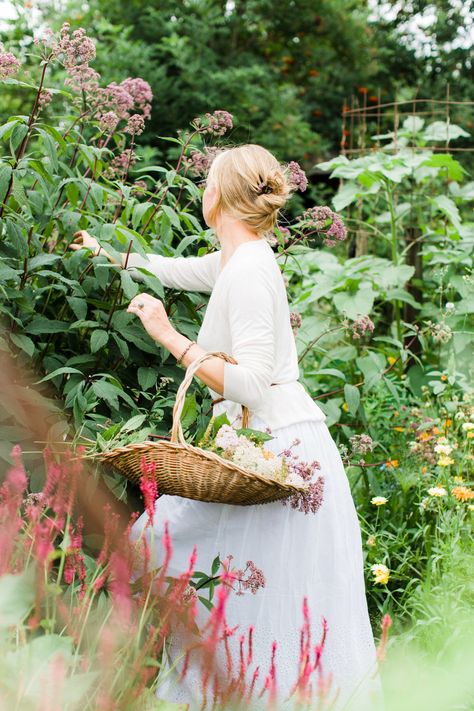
232, 233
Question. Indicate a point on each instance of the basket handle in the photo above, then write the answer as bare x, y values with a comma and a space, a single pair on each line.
177, 430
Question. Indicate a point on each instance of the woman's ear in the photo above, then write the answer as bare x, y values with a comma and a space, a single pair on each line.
210, 201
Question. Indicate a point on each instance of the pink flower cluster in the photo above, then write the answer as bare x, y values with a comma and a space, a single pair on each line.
362, 326
217, 123
135, 125
297, 176
362, 444
329, 223
301, 472
253, 582
9, 64
121, 164
295, 320
75, 50
199, 162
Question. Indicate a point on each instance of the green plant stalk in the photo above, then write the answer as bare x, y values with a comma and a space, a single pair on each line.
395, 258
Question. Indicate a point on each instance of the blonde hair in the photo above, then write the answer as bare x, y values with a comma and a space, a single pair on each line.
252, 186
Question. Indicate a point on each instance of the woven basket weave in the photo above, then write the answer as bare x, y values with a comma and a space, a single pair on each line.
194, 473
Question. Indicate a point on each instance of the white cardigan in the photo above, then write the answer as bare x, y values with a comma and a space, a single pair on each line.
247, 317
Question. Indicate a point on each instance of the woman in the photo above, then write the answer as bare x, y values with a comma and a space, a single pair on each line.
318, 556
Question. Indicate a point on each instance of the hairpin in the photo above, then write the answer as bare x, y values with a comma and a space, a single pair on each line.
263, 188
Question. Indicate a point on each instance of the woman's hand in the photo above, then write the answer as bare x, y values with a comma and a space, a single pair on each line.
84, 239
153, 316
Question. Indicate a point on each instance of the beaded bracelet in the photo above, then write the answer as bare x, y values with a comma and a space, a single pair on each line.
178, 360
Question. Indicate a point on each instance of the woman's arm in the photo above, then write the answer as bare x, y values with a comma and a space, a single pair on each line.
184, 273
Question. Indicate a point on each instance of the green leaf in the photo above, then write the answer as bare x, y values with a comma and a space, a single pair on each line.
172, 216
65, 370
147, 377
355, 304
215, 565
346, 195
442, 131
78, 306
23, 342
40, 324
5, 175
133, 423
352, 397
99, 339
130, 288
17, 596
206, 603
449, 208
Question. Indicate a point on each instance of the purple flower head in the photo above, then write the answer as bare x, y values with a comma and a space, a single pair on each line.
284, 232
322, 219
297, 176
135, 125
217, 123
362, 326
121, 164
254, 581
74, 49
141, 93
310, 500
200, 161
45, 98
362, 444
295, 320
108, 121
9, 64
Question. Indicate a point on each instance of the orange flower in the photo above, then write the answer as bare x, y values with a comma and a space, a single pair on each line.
444, 377
399, 429
424, 470
436, 430
374, 99
392, 463
362, 90
462, 493
313, 73
448, 422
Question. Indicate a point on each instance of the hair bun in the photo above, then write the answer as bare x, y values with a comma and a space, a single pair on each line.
276, 182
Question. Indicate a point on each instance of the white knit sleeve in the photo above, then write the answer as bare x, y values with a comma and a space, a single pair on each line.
184, 273
251, 315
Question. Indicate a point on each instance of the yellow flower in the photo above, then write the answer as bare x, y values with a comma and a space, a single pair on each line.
444, 377
267, 454
424, 470
371, 541
444, 461
378, 500
345, 407
448, 422
392, 463
462, 493
437, 491
399, 429
391, 360
470, 435
381, 573
458, 479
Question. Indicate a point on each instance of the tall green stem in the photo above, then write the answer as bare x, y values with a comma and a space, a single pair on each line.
394, 243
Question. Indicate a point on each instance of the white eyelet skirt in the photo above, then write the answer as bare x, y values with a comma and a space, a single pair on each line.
314, 555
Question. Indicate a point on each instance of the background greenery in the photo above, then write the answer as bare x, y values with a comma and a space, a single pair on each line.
407, 262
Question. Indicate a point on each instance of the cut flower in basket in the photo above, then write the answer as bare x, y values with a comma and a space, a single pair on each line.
245, 447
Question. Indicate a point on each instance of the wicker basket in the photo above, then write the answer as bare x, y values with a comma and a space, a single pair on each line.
194, 473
